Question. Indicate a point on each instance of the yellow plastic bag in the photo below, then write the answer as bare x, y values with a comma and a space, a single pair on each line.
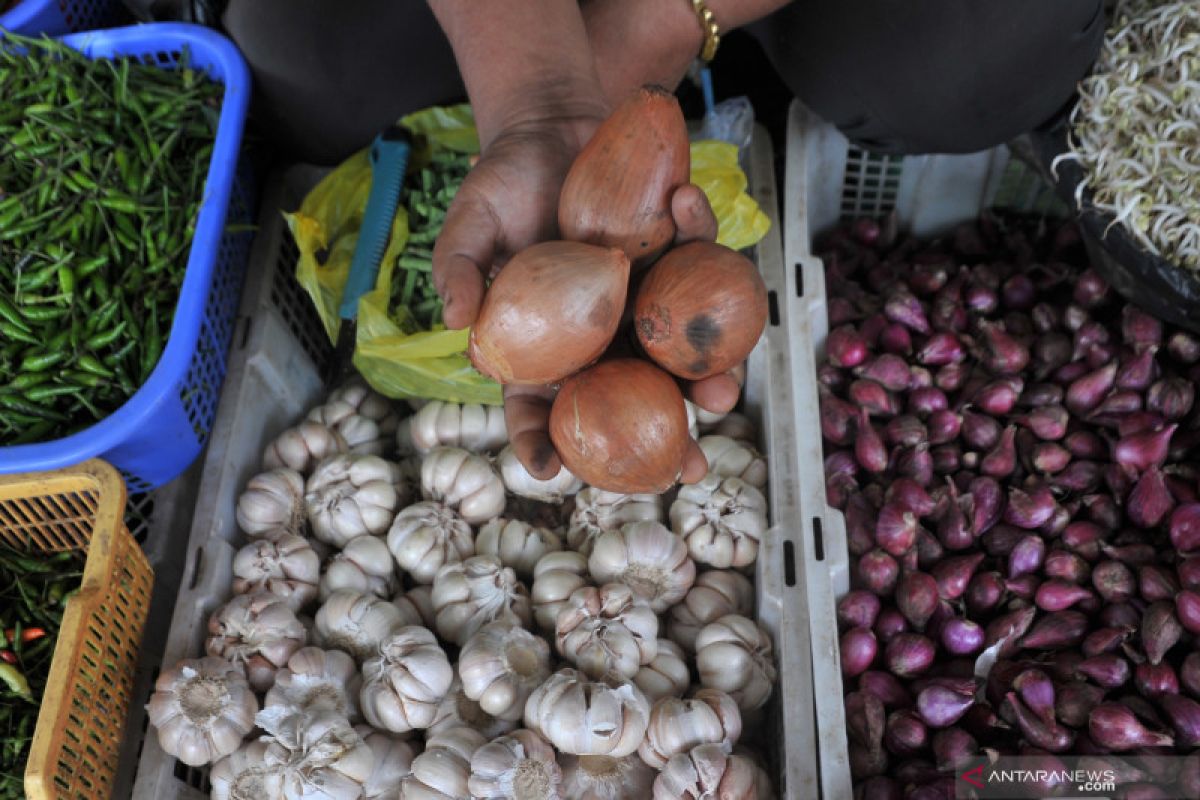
433, 364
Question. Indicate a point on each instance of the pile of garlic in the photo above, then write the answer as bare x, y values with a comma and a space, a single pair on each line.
414, 616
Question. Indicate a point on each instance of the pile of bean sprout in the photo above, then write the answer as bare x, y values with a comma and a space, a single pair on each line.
1136, 128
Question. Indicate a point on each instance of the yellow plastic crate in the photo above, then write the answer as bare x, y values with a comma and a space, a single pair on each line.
78, 735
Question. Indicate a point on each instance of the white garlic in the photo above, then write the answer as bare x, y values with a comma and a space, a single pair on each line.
500, 666
367, 403
463, 480
392, 762
518, 766
692, 423
242, 775
584, 718
676, 725
714, 594
471, 594
646, 557
364, 566
201, 708
737, 427
721, 519
666, 675
280, 564
426, 536
456, 709
517, 544
317, 679
518, 480
303, 447
417, 605
733, 459
442, 771
349, 496
366, 422
256, 632
597, 511
273, 499
605, 778
555, 577
357, 623
707, 771
604, 632
320, 754
734, 654
471, 426
404, 684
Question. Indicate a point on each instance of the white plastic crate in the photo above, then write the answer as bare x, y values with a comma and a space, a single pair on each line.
276, 365
828, 179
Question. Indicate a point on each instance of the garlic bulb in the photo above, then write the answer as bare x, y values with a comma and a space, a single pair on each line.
605, 778
585, 718
442, 771
281, 564
426, 536
258, 632
456, 709
404, 684
367, 403
303, 447
469, 595
714, 594
367, 426
734, 654
721, 519
364, 566
349, 496
273, 499
463, 480
392, 762
597, 511
517, 544
605, 632
242, 775
317, 679
666, 675
646, 557
555, 577
500, 666
201, 708
357, 623
737, 427
519, 766
471, 426
320, 754
518, 480
733, 459
706, 771
676, 726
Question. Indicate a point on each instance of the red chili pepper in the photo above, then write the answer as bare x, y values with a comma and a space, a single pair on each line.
27, 634
8, 656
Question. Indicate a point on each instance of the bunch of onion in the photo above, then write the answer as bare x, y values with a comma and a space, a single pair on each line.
1014, 449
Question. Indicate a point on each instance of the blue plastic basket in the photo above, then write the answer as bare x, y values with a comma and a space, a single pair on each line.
161, 429
58, 17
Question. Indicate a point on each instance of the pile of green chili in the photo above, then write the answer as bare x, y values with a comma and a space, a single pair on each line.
33, 592
102, 168
415, 304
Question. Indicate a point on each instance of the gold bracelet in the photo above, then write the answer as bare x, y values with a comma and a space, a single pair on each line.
712, 33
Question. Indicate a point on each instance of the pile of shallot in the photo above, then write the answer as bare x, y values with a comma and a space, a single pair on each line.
1014, 449
414, 616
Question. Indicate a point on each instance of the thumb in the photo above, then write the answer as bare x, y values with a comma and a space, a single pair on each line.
462, 257
694, 217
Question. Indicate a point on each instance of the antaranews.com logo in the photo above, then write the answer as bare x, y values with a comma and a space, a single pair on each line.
1019, 777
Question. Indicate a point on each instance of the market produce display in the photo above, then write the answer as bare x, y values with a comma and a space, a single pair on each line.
414, 615
102, 170
33, 593
1013, 447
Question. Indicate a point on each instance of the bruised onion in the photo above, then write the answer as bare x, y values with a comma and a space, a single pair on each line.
551, 311
688, 328
1160, 630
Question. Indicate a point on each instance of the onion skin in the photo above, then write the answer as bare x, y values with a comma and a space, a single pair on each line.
621, 426
700, 310
618, 191
551, 311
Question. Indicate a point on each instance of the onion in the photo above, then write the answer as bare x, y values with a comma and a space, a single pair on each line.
1185, 527
1104, 640
1138, 328
941, 707
858, 649
1030, 509
1056, 631
878, 787
686, 327
954, 574
865, 719
905, 734
1114, 581
962, 637
1105, 670
1141, 451
1160, 630
858, 609
1074, 701
984, 592
1114, 726
868, 446
1008, 629
1184, 347
916, 597
903, 307
846, 347
1189, 674
1000, 396
1085, 393
909, 654
944, 426
551, 311
1157, 583
953, 748
896, 339
896, 529
1058, 595
1026, 556
878, 572
887, 370
1172, 398
887, 687
1066, 566
621, 426
1152, 680
1042, 733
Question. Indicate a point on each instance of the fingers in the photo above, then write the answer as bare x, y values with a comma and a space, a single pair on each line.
527, 417
462, 257
718, 393
694, 217
695, 465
